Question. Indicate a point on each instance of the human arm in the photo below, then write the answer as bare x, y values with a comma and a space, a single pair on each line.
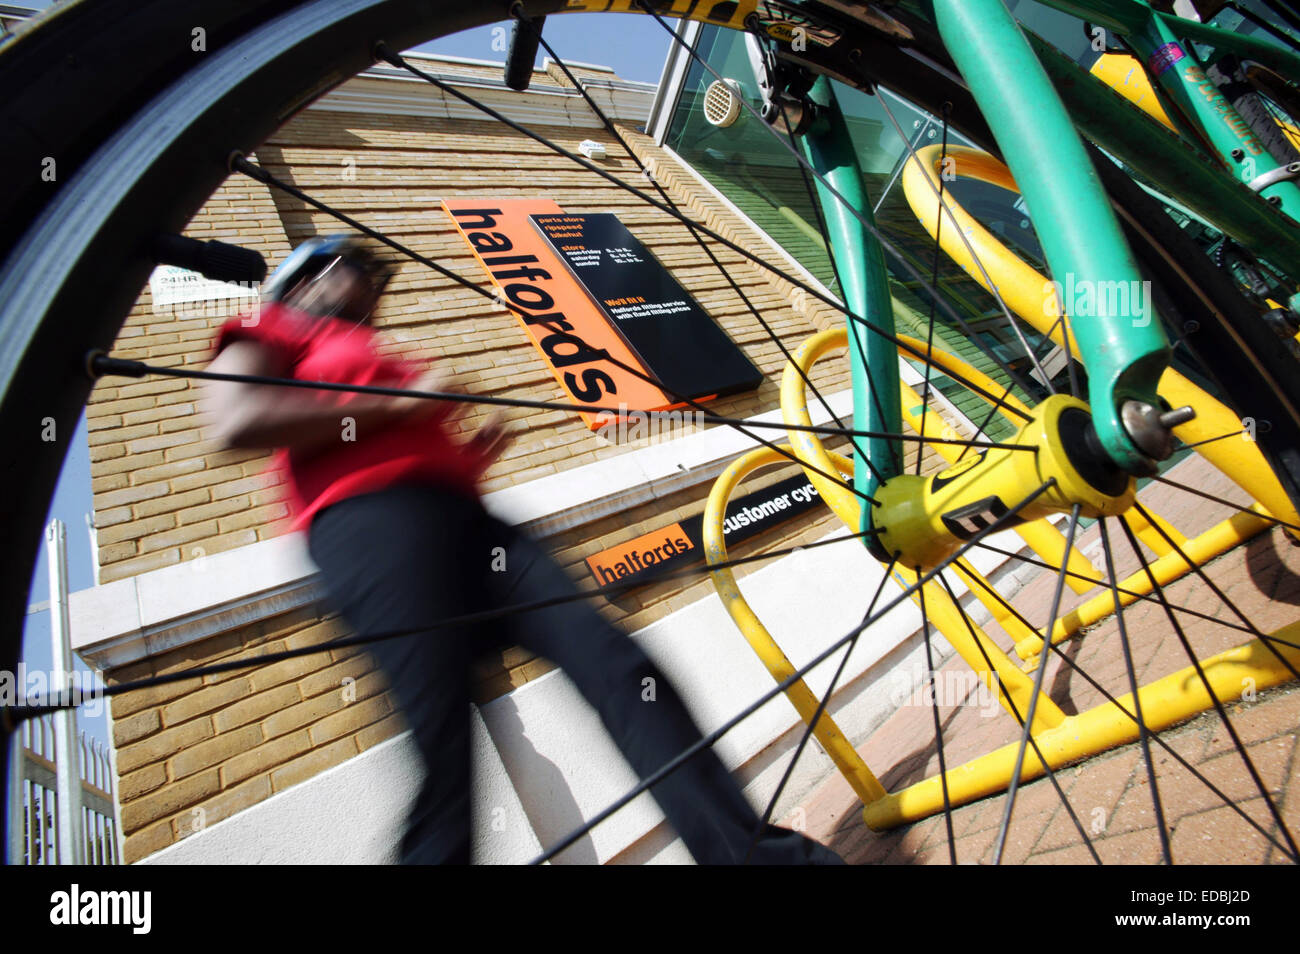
265, 416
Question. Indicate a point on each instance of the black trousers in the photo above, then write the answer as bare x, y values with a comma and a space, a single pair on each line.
401, 558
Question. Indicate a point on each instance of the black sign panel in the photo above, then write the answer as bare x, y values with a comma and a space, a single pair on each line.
682, 544
672, 335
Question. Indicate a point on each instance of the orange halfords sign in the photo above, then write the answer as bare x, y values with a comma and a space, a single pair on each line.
534, 284
636, 556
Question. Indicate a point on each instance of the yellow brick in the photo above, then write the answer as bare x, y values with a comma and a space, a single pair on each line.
256, 707
192, 420
381, 731
117, 552
145, 842
137, 726
128, 464
121, 435
168, 800
327, 630
351, 719
264, 757
176, 397
205, 478
125, 495
225, 541
112, 518
244, 485
219, 748
99, 422
353, 667
254, 517
313, 763
106, 452
141, 782
142, 564
304, 713
170, 502
223, 806
178, 537
161, 441
286, 670
125, 405
162, 745
152, 414
151, 387
129, 703
186, 451
205, 700
107, 483
212, 510
168, 470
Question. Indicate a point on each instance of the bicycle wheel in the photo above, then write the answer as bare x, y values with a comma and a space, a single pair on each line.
144, 162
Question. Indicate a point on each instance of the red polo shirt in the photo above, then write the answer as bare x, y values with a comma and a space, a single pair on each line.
329, 349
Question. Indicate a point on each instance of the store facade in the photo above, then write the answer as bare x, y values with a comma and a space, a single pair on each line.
306, 759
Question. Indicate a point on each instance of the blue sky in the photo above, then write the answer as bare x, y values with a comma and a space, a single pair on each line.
635, 46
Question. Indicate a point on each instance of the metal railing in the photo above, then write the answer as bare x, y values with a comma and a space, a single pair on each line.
35, 832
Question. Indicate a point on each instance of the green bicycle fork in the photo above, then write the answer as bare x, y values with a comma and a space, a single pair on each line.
1126, 350
864, 283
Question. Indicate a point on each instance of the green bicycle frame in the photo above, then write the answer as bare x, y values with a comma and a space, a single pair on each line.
864, 283
1126, 350
1181, 74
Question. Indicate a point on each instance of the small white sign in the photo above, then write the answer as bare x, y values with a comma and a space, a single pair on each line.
171, 285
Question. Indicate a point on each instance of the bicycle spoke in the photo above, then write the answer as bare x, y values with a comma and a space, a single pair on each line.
382, 50
13, 714
516, 11
1033, 699
934, 280
938, 728
1265, 640
1127, 592
389, 56
824, 232
817, 714
1015, 711
1143, 732
1240, 508
1209, 440
945, 210
1113, 700
998, 524
1214, 699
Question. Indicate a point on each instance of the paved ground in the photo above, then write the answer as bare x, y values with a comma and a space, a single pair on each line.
1110, 794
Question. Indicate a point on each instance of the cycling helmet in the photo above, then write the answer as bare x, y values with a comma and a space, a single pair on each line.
320, 254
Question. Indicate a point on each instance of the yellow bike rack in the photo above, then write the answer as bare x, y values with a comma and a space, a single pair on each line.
1061, 738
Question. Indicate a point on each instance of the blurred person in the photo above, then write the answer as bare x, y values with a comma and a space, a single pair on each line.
389, 500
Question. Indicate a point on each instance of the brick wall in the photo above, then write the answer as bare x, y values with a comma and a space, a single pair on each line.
194, 752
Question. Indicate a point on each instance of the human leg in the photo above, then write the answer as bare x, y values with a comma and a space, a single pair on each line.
641, 710
390, 561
